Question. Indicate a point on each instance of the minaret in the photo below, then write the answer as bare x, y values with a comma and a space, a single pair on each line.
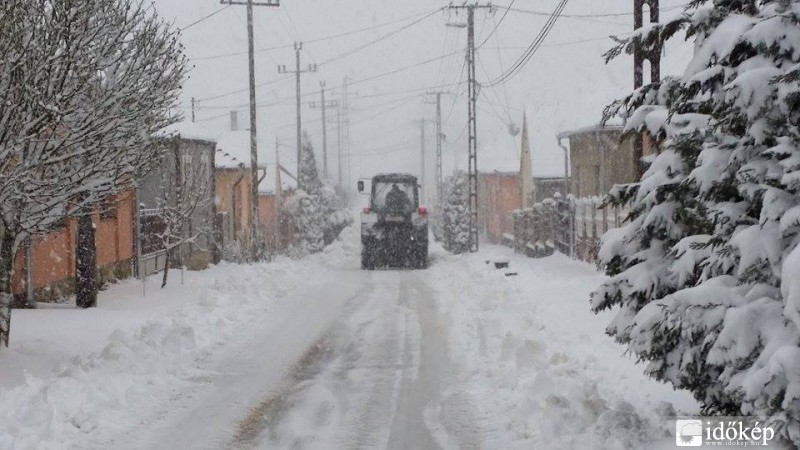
525, 167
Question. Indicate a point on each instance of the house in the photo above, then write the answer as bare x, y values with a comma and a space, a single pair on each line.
45, 270
276, 226
600, 158
233, 182
499, 195
184, 174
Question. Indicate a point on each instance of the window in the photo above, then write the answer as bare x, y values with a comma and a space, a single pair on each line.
394, 195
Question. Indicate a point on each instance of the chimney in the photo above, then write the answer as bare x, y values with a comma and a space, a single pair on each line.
234, 121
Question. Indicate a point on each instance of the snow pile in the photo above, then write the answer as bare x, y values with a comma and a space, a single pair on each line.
538, 364
141, 363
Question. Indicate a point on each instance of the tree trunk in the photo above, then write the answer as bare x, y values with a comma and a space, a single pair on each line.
166, 268
86, 265
6, 297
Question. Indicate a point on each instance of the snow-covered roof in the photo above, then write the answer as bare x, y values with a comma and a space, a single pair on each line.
590, 129
233, 149
188, 130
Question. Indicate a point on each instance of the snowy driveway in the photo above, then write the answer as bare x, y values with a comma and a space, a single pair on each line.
317, 354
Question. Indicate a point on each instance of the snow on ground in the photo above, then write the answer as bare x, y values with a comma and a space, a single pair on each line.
538, 363
72, 375
457, 356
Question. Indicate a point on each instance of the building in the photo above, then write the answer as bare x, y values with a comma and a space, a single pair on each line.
599, 158
499, 195
185, 174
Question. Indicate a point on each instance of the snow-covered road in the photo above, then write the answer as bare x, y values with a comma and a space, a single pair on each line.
317, 354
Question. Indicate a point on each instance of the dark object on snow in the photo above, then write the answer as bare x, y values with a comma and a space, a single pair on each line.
501, 264
511, 274
394, 229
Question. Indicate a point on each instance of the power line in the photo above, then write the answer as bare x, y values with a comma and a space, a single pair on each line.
497, 24
379, 39
205, 18
238, 91
586, 16
537, 42
316, 40
402, 69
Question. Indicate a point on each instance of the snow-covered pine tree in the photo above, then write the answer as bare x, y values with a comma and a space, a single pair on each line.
456, 214
705, 273
317, 211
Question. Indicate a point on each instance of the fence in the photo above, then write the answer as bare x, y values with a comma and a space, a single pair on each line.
572, 226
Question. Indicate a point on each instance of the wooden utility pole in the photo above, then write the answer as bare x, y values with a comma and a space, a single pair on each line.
324, 105
473, 121
345, 109
251, 51
640, 55
339, 145
422, 160
298, 46
194, 105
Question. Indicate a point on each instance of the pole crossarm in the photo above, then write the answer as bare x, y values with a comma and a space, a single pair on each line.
243, 3
328, 104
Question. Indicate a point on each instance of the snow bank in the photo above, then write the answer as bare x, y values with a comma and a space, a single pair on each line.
148, 350
537, 360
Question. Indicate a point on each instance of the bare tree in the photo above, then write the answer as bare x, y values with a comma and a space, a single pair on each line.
182, 197
84, 85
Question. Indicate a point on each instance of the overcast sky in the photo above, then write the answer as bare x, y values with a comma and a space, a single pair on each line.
407, 50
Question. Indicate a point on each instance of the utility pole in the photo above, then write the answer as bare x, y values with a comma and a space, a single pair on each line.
194, 103
473, 121
339, 144
439, 141
251, 52
422, 160
345, 109
298, 46
324, 105
639, 57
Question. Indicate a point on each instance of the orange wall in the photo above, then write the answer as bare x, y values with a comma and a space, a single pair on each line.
53, 254
227, 190
501, 196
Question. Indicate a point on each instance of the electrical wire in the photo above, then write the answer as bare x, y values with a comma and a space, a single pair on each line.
379, 39
313, 41
205, 18
537, 42
587, 16
497, 25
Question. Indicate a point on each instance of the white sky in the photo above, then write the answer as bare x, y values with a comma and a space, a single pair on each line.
565, 85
